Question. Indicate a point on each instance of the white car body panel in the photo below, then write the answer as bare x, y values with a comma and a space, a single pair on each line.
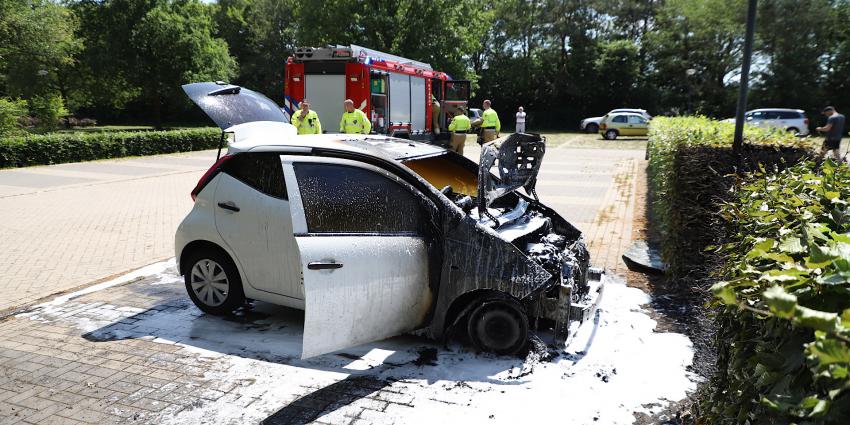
261, 233
364, 300
248, 130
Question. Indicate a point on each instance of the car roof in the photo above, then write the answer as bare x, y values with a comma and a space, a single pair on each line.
628, 110
626, 113
777, 109
373, 145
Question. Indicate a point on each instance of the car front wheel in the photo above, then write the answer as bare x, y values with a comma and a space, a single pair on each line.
592, 128
611, 135
213, 283
498, 326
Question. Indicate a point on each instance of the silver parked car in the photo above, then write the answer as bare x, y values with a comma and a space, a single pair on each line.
790, 120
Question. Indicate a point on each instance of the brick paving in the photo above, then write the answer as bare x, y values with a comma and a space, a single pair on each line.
68, 225
140, 353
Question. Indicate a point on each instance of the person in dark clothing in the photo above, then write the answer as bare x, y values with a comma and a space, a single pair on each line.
834, 131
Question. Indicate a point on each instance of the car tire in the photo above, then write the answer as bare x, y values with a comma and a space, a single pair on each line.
793, 130
611, 135
213, 282
592, 128
499, 327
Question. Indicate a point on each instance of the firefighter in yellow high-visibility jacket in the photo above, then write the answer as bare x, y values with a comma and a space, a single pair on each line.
490, 124
354, 121
459, 126
306, 121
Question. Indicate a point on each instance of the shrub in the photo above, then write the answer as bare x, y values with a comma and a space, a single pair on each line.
58, 147
11, 112
81, 122
785, 330
691, 169
48, 111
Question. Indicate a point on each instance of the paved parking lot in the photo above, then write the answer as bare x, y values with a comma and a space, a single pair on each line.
140, 352
133, 349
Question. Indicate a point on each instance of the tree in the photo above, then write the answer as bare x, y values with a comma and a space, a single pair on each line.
11, 112
174, 45
260, 35
703, 35
48, 111
618, 69
139, 52
37, 45
795, 40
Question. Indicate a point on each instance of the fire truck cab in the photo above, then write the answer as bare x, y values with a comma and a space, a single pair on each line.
397, 94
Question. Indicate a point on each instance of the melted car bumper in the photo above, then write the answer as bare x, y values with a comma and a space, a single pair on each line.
570, 310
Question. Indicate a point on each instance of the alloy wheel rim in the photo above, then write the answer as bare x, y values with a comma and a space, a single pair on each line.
209, 282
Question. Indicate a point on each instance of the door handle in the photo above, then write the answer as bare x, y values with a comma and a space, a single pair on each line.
320, 265
228, 206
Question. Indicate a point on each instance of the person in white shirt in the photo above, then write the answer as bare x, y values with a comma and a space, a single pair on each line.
520, 120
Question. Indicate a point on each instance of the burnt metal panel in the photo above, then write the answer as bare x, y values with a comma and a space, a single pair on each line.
517, 159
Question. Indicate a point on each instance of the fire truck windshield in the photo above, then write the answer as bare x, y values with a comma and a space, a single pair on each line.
457, 91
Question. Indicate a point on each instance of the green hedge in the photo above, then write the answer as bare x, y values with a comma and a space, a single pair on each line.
784, 339
691, 169
57, 148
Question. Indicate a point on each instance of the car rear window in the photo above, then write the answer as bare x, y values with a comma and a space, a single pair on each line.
346, 199
261, 171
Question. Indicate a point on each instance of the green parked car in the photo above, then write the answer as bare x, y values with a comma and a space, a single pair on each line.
623, 124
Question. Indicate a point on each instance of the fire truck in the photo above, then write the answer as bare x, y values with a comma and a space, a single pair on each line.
397, 94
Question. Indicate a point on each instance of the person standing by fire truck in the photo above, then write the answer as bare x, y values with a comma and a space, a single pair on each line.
306, 121
459, 126
490, 124
354, 121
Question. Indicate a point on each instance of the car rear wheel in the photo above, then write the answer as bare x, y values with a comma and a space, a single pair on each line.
213, 283
611, 135
498, 326
793, 130
592, 128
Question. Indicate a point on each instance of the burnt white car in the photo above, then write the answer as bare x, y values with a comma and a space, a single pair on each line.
374, 236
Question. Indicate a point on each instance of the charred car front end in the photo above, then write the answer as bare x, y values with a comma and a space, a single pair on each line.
514, 251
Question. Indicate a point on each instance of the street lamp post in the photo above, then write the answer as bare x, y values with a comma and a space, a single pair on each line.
689, 76
738, 142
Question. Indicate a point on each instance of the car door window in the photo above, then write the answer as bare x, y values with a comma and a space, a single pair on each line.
756, 115
347, 199
771, 115
634, 119
619, 118
787, 115
261, 171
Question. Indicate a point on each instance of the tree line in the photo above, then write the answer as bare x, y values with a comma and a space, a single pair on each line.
124, 60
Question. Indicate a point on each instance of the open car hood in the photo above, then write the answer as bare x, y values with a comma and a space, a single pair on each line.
517, 159
229, 105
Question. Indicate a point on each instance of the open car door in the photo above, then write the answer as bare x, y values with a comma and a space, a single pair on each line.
363, 240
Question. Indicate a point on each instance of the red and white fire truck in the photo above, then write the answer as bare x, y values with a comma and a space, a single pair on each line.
397, 93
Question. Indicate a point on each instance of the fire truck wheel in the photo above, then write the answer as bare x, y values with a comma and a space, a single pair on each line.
498, 326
